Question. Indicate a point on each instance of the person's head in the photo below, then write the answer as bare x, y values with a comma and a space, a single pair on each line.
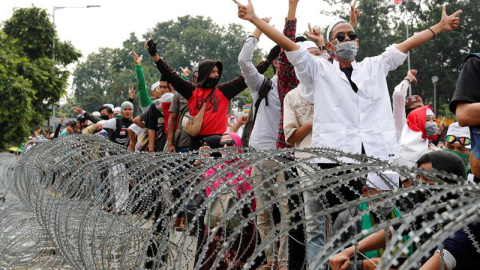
157, 91
441, 161
127, 109
165, 86
412, 103
74, 126
382, 182
117, 111
109, 105
105, 112
273, 57
311, 47
96, 113
195, 75
209, 73
342, 40
423, 120
230, 140
82, 121
458, 139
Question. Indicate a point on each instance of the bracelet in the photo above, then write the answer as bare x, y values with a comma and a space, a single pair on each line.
322, 48
407, 79
434, 35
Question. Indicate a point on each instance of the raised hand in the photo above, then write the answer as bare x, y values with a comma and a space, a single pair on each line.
137, 59
62, 119
185, 71
450, 22
151, 46
78, 110
354, 14
131, 92
315, 35
245, 12
411, 75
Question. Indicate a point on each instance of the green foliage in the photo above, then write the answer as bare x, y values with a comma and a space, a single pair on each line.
381, 25
28, 38
16, 112
106, 76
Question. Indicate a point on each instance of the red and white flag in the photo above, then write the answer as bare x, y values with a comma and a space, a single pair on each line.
395, 2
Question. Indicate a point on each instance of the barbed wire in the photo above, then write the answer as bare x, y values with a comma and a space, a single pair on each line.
87, 203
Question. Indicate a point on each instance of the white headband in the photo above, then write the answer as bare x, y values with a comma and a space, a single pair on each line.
332, 25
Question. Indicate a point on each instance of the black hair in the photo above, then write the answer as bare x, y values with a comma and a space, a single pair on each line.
109, 110
423, 159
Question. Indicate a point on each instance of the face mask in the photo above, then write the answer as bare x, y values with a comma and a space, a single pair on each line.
210, 83
464, 157
346, 50
431, 129
104, 117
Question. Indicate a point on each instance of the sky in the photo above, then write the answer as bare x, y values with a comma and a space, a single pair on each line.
89, 29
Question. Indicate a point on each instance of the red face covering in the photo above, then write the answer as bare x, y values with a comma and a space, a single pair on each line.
417, 118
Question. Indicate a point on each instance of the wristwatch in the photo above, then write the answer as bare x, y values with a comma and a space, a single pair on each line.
322, 48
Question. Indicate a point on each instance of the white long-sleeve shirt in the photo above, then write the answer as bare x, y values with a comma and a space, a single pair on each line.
265, 130
399, 115
342, 118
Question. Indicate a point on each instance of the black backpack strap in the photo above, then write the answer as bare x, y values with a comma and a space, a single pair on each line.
262, 94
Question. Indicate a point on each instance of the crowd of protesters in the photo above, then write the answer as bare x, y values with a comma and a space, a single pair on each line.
319, 96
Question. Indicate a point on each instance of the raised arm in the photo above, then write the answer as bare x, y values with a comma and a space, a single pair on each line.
185, 88
253, 78
447, 23
143, 97
398, 97
246, 12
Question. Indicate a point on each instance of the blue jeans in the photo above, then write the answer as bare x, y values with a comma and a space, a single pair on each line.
315, 227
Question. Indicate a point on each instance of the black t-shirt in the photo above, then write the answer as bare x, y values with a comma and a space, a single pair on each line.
462, 248
468, 85
348, 72
155, 119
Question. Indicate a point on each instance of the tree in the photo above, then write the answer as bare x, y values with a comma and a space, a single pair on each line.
34, 35
106, 76
16, 112
381, 25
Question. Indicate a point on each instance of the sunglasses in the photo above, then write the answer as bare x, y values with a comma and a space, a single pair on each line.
228, 143
341, 36
462, 140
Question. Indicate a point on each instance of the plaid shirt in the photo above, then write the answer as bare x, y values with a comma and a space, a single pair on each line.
287, 80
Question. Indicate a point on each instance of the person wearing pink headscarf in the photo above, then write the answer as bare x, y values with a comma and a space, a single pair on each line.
243, 245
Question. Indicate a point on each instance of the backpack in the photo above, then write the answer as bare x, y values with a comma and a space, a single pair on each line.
252, 115
217, 208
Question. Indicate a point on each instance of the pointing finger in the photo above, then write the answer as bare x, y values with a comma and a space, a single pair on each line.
458, 12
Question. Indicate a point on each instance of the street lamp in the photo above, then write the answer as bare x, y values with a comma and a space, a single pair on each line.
57, 8
434, 81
